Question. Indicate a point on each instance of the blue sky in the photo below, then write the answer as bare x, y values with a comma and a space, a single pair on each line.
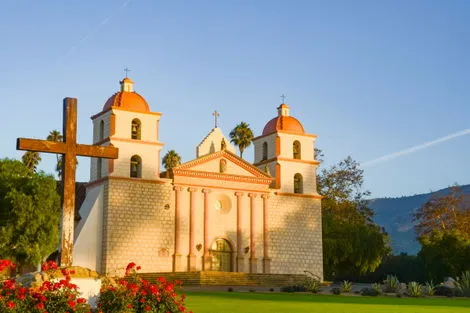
370, 78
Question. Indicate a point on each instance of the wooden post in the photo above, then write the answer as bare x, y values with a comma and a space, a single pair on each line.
70, 150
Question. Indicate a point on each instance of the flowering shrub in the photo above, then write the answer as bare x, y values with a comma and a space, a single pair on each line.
6, 264
133, 294
58, 296
6, 267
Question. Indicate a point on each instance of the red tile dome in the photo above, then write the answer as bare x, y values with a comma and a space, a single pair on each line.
283, 122
127, 98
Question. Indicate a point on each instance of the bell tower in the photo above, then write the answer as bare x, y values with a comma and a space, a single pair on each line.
286, 151
127, 123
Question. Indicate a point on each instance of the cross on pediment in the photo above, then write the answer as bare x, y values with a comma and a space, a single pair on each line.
215, 115
70, 149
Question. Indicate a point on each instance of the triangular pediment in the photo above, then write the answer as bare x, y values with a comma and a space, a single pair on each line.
220, 165
214, 141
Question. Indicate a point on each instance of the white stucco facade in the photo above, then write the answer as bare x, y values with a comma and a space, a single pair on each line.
215, 212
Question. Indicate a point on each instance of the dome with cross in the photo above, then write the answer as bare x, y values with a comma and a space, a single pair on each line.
283, 122
127, 98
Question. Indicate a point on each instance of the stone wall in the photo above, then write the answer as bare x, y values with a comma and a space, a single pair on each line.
295, 234
138, 225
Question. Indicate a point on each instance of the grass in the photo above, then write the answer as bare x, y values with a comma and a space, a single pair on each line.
252, 302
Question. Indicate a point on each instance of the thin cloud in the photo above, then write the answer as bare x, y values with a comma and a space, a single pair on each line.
91, 32
404, 152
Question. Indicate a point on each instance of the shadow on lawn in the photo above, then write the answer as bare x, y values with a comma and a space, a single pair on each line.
288, 297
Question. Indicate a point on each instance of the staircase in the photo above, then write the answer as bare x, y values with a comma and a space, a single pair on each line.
211, 278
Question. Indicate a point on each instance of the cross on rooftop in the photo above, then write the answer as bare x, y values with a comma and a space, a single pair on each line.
70, 149
283, 97
127, 71
215, 115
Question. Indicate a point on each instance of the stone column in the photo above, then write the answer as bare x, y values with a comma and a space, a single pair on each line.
266, 259
206, 259
177, 258
240, 252
192, 229
253, 259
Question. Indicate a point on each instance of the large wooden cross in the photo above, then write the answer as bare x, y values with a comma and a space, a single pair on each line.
69, 149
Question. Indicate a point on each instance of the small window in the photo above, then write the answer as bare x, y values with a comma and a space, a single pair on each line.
265, 150
297, 150
101, 130
136, 166
298, 183
99, 165
135, 129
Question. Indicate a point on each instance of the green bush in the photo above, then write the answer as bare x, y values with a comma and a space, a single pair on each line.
377, 287
312, 282
463, 283
414, 289
392, 284
369, 292
336, 291
444, 291
428, 289
294, 288
346, 286
405, 267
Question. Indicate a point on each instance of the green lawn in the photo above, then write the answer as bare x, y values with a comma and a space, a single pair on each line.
248, 302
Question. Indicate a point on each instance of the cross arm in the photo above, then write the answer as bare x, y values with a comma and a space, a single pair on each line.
40, 145
108, 152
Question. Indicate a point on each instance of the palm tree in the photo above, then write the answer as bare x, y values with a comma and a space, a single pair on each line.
55, 135
171, 160
241, 136
31, 160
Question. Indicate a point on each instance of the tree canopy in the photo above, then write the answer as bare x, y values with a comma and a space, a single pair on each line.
55, 135
170, 160
444, 213
29, 213
31, 160
241, 136
443, 229
352, 242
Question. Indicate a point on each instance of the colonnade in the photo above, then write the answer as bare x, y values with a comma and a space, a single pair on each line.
179, 262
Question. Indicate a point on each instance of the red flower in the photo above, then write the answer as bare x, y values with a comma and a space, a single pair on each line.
50, 265
81, 300
40, 305
130, 266
147, 308
10, 305
71, 303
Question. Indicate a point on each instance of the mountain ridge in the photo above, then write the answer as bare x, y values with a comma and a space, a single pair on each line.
395, 215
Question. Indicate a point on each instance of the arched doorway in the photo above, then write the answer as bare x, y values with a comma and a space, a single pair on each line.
221, 252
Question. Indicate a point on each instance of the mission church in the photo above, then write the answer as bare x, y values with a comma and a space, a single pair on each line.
216, 212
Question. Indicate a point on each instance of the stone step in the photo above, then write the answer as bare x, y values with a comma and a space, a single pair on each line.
228, 278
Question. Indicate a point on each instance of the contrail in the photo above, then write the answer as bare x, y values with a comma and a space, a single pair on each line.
400, 153
92, 32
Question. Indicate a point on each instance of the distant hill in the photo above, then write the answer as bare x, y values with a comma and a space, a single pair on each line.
395, 215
